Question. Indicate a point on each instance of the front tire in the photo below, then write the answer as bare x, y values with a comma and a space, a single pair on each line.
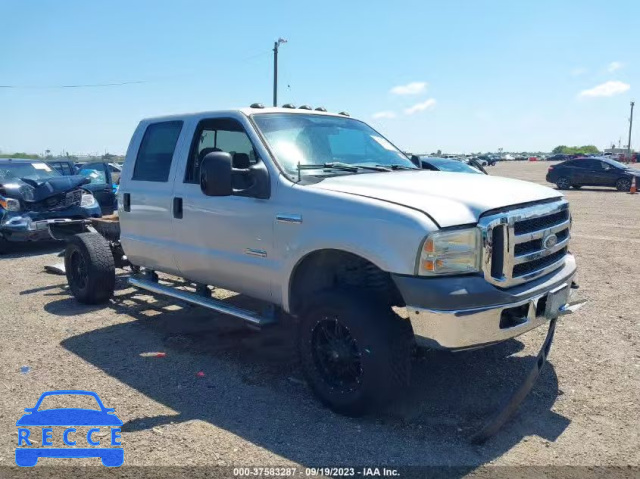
354, 351
623, 184
90, 268
563, 183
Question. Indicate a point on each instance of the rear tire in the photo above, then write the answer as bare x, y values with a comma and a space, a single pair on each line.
563, 183
623, 184
90, 268
354, 351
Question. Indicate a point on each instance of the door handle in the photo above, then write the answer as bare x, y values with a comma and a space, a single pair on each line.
126, 199
177, 208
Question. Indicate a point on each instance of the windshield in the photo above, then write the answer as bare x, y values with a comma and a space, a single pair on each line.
34, 171
317, 139
615, 163
451, 165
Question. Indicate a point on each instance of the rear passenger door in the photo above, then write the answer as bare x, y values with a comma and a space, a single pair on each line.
146, 192
580, 172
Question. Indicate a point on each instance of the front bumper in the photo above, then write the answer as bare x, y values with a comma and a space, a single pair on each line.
467, 312
32, 226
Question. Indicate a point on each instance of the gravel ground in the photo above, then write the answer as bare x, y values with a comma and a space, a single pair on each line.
251, 407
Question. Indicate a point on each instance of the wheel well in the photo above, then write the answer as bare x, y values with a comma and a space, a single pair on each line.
331, 268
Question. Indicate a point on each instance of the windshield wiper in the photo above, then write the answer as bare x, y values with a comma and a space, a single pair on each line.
395, 167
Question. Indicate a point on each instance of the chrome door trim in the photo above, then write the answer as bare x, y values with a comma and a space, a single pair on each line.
288, 218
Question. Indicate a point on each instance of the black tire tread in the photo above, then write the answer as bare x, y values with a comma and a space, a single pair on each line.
101, 267
393, 334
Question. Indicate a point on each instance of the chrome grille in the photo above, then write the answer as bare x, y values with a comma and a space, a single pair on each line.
519, 246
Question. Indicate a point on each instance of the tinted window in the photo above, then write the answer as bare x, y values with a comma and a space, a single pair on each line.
156, 151
577, 164
225, 135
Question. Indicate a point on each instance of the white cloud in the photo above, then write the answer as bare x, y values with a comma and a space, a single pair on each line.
384, 114
609, 88
578, 71
412, 88
425, 105
613, 66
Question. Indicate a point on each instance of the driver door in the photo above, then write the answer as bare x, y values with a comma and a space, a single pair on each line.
226, 241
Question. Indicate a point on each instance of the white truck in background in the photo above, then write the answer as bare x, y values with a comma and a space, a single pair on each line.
322, 217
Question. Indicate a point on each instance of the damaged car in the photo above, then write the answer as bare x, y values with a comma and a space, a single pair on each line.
33, 196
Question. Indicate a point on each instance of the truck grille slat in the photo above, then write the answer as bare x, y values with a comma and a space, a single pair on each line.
540, 223
540, 263
525, 243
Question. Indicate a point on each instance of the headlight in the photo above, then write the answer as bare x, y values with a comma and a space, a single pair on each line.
10, 204
88, 201
450, 252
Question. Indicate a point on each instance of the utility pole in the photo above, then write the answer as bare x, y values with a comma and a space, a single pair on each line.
630, 127
275, 69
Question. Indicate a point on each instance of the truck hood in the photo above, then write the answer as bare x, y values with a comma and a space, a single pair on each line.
450, 199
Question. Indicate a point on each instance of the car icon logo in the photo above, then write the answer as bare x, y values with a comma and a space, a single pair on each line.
550, 241
69, 419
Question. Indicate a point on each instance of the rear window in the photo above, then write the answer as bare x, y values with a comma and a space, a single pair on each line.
156, 151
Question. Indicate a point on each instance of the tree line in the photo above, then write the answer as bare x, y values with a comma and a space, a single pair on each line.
575, 150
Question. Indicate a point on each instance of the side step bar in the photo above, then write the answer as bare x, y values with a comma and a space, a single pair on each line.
251, 317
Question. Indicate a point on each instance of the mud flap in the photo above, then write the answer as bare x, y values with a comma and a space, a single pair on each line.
511, 405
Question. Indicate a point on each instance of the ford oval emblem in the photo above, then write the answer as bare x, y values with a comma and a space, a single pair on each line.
550, 241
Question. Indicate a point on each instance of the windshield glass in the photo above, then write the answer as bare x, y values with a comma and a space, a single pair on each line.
34, 171
615, 163
318, 139
451, 165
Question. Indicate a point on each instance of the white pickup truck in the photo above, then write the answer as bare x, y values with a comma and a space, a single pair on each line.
320, 216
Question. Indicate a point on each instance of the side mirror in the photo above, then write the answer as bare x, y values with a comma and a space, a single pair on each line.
215, 174
415, 159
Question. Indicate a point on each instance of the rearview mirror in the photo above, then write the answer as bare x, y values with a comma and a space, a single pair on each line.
215, 174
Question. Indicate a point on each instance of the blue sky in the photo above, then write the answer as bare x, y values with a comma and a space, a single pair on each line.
476, 75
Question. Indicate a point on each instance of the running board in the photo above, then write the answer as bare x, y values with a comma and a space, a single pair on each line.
250, 317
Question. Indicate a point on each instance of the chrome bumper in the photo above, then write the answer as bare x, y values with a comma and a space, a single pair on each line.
478, 327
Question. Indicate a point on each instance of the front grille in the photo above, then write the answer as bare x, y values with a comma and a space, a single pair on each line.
59, 202
526, 268
524, 243
536, 245
73, 198
540, 223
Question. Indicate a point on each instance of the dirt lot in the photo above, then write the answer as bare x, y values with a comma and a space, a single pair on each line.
252, 408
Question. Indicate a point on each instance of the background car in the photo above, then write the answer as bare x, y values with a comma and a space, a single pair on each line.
34, 195
64, 167
599, 171
445, 164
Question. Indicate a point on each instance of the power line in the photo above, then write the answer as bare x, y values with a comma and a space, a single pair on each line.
85, 85
124, 83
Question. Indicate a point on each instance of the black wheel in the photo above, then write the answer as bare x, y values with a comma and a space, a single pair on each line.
563, 183
355, 352
576, 187
623, 184
90, 269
